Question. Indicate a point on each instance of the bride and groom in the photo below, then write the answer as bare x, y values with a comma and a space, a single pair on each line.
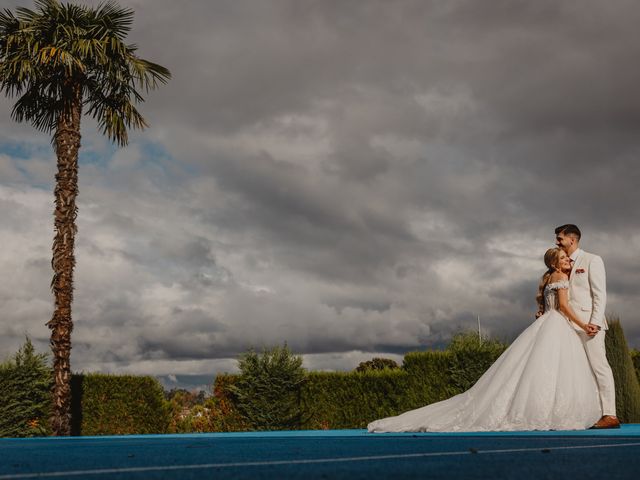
554, 376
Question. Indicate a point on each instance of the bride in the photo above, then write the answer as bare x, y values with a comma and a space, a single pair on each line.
543, 381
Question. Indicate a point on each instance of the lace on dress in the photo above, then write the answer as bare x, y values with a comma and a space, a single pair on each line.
551, 294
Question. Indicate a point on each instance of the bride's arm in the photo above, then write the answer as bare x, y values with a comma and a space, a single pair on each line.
567, 311
563, 300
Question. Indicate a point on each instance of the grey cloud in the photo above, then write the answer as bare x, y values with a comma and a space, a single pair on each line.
353, 177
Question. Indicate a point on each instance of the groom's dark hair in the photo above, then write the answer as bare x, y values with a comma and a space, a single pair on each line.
569, 229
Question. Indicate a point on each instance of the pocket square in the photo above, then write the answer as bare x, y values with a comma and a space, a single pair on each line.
580, 270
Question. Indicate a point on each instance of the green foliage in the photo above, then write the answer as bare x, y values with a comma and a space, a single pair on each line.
376, 364
471, 357
334, 400
268, 389
228, 416
188, 416
194, 412
117, 405
185, 397
25, 400
430, 374
635, 357
624, 374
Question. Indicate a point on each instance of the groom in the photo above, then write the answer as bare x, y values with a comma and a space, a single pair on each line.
588, 297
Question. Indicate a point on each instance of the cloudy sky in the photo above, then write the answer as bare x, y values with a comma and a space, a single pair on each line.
357, 178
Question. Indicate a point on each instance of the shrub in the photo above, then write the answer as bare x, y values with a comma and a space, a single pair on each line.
267, 392
376, 364
627, 386
25, 400
117, 405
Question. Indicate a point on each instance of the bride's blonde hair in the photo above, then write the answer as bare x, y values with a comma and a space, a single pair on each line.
551, 260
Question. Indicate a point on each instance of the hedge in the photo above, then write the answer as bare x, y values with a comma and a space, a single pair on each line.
335, 400
332, 400
117, 405
430, 372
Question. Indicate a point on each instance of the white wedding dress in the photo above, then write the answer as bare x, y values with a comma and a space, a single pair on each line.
543, 381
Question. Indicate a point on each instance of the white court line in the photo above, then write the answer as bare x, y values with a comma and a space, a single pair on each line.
104, 471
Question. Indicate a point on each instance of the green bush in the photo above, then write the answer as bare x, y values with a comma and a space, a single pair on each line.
624, 374
25, 400
117, 405
267, 391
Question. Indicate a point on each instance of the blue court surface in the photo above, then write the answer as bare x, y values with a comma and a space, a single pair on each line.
329, 454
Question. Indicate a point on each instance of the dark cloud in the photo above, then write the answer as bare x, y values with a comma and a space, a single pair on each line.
352, 177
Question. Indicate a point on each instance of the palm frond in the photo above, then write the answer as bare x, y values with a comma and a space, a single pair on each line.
148, 74
40, 110
111, 17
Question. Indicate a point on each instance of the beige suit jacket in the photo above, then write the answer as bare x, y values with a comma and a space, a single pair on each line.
588, 288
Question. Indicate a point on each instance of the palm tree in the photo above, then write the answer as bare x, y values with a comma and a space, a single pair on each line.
61, 59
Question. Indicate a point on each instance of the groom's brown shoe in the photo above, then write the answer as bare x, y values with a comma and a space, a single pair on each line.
607, 421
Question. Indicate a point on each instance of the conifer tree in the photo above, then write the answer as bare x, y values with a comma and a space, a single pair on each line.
25, 383
268, 389
624, 375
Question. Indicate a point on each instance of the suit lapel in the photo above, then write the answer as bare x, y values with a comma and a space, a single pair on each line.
575, 264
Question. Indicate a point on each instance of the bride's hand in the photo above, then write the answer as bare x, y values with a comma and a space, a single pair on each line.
591, 329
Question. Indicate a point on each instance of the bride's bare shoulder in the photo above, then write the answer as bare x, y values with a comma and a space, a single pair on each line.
558, 277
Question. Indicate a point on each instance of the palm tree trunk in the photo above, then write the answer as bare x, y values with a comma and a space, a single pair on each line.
67, 144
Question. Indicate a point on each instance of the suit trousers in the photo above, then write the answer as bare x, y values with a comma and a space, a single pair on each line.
597, 355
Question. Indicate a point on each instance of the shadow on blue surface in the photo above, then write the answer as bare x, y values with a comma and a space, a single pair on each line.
328, 454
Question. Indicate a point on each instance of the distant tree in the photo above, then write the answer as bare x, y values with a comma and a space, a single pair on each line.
60, 59
624, 375
185, 397
25, 384
200, 397
268, 389
377, 364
